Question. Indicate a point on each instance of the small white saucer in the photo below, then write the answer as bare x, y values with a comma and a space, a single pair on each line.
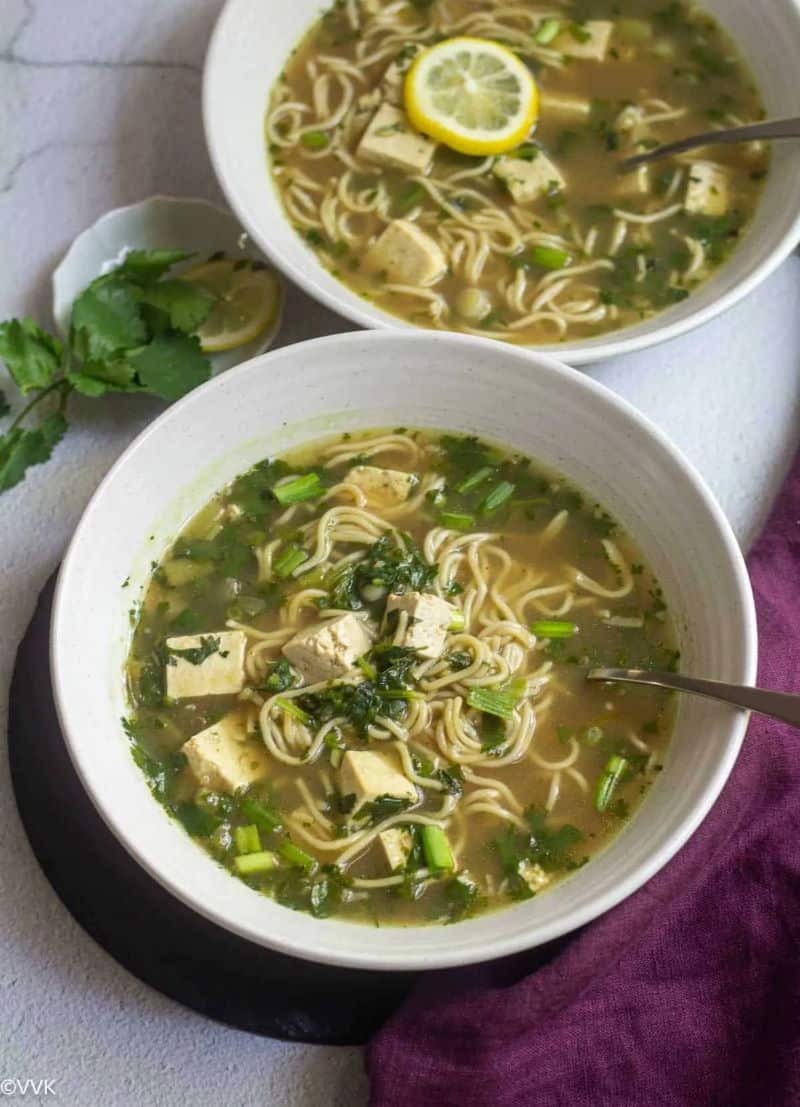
172, 222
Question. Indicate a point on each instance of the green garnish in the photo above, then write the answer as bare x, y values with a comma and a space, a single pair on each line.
474, 479
290, 558
196, 655
290, 708
457, 520
494, 701
247, 839
409, 199
579, 33
610, 777
553, 628
296, 856
264, 817
497, 497
295, 491
549, 257
251, 864
279, 677
130, 331
314, 140
547, 31
436, 848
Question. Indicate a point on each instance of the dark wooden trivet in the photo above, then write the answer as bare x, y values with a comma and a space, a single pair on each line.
141, 925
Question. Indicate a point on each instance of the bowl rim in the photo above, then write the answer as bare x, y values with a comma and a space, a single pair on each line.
577, 353
500, 946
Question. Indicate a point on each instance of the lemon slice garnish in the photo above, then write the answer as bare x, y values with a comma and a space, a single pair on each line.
473, 95
247, 302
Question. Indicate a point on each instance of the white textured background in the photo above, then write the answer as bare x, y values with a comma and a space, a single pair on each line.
99, 106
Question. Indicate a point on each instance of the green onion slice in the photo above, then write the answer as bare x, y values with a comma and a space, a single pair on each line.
553, 628
474, 479
609, 779
436, 848
247, 839
307, 487
250, 864
289, 559
497, 497
547, 31
494, 701
296, 856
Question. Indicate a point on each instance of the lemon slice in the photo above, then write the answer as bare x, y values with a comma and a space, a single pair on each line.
247, 302
473, 95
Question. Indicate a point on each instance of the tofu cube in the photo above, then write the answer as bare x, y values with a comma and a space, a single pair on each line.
569, 109
396, 843
588, 40
205, 665
368, 776
533, 875
382, 487
707, 189
429, 618
223, 758
528, 180
391, 141
407, 255
635, 184
395, 75
329, 649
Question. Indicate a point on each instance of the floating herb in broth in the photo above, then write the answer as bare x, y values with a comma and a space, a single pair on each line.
357, 678
547, 242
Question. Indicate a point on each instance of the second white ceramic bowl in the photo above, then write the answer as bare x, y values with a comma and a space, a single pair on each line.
250, 45
373, 379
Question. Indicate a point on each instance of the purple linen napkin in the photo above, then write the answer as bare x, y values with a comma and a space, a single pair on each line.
685, 995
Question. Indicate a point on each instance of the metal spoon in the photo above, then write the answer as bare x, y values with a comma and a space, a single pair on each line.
775, 128
779, 705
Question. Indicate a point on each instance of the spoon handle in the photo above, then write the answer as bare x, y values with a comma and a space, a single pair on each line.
779, 705
775, 128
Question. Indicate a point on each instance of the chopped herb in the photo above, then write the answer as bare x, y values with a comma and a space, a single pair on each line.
279, 677
289, 707
459, 659
196, 655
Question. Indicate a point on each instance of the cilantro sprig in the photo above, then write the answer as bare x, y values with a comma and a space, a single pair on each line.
131, 330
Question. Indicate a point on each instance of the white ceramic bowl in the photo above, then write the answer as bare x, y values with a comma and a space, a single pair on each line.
369, 379
171, 222
250, 45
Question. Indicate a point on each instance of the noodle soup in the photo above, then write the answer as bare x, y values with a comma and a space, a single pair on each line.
357, 678
547, 242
